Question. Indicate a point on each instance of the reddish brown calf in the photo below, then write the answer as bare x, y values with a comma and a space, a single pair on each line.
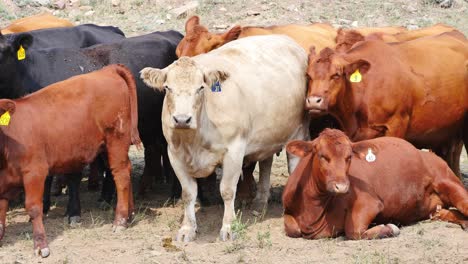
60, 129
340, 187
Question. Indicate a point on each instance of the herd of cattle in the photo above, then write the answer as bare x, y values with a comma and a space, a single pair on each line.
79, 95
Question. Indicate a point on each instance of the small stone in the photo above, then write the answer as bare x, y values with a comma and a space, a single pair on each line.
264, 7
75, 3
61, 4
253, 13
354, 24
412, 27
115, 2
86, 8
168, 16
411, 9
222, 9
155, 253
160, 21
89, 13
220, 26
185, 10
344, 21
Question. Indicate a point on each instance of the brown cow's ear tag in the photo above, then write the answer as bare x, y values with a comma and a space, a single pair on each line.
370, 157
5, 119
356, 77
21, 53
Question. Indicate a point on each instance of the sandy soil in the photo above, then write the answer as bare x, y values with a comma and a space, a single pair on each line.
148, 240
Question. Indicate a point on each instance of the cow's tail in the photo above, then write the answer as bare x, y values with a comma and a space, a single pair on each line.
127, 75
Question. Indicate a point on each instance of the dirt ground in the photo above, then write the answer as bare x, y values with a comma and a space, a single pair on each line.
262, 239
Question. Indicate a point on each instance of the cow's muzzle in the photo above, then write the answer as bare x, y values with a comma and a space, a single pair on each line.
338, 187
182, 121
316, 105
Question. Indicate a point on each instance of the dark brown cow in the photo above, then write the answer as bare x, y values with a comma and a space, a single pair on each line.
60, 129
340, 187
416, 90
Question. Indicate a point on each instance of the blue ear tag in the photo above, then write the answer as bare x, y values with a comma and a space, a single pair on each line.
216, 87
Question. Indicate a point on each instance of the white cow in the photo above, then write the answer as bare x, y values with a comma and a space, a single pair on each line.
242, 101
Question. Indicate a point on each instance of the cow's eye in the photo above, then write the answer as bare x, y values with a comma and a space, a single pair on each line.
335, 76
167, 88
200, 89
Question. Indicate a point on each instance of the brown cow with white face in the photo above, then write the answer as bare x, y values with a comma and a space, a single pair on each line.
340, 187
415, 90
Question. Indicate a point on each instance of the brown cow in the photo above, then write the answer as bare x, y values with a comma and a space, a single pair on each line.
35, 22
60, 129
416, 90
199, 40
340, 187
346, 38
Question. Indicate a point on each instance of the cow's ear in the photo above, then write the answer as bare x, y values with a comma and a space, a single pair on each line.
7, 105
300, 148
154, 78
214, 76
232, 34
362, 65
25, 40
191, 23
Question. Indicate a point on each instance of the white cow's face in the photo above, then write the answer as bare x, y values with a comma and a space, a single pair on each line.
185, 84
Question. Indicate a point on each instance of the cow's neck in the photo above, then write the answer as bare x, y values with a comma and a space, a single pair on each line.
345, 110
11, 86
316, 206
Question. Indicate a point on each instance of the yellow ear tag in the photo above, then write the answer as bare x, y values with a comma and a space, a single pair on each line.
5, 119
356, 77
21, 53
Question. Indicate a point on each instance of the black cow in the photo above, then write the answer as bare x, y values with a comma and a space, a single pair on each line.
46, 66
81, 36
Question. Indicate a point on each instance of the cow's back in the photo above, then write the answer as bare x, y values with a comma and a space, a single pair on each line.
264, 94
396, 162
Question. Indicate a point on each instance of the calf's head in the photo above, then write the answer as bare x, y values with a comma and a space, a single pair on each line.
185, 84
329, 76
199, 40
331, 154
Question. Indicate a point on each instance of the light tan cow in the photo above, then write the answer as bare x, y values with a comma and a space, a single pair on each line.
231, 105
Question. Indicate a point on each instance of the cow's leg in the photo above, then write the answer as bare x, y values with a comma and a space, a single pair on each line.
451, 191
120, 166
246, 185
232, 168
46, 199
263, 191
34, 190
452, 216
361, 215
3, 212
96, 173
74, 204
188, 229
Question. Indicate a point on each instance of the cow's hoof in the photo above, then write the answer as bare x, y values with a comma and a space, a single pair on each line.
395, 229
226, 233
74, 221
118, 228
44, 253
259, 206
186, 234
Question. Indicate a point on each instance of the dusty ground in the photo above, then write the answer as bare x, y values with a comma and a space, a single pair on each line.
263, 240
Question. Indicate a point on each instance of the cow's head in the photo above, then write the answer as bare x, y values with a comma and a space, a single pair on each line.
9, 52
199, 40
345, 39
185, 83
331, 154
329, 76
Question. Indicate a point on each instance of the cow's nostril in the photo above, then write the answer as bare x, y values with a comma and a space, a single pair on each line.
308, 100
175, 119
188, 120
318, 100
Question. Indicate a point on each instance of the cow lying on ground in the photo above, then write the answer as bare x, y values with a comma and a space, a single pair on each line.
340, 187
81, 36
397, 89
231, 106
61, 129
40, 21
